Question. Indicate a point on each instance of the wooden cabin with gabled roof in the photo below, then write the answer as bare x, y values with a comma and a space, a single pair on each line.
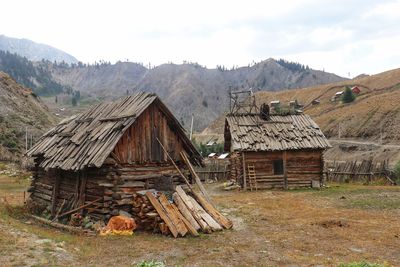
108, 153
274, 151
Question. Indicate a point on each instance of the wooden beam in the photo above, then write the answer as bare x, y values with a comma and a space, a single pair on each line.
215, 214
195, 176
177, 168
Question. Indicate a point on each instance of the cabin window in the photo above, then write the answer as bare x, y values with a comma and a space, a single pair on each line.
278, 167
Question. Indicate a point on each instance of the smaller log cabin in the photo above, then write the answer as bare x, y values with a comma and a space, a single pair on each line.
108, 153
274, 151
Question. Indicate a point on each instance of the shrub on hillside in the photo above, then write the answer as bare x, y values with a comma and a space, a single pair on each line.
348, 95
397, 171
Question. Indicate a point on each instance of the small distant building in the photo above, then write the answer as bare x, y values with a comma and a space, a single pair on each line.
356, 90
337, 96
315, 102
276, 151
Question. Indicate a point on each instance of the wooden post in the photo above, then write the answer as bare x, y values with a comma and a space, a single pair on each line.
244, 172
285, 180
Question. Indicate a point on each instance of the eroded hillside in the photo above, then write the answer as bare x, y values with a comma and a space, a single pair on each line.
21, 111
376, 110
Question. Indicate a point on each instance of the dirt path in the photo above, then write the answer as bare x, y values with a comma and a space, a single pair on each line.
22, 248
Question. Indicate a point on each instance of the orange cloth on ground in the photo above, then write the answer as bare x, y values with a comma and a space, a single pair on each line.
119, 225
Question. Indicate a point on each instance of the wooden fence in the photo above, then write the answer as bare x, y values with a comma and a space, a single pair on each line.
215, 169
355, 171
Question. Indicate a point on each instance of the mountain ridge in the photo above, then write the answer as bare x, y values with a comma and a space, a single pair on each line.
34, 51
187, 88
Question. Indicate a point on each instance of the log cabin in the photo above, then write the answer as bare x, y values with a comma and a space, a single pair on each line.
107, 154
274, 151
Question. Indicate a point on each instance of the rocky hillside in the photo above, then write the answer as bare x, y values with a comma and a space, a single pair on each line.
34, 51
20, 111
188, 88
374, 113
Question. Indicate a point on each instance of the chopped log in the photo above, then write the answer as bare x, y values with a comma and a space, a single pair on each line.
221, 219
162, 214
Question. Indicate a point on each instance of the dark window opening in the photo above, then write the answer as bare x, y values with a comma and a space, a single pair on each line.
278, 167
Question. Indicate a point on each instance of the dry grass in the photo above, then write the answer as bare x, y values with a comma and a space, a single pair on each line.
272, 228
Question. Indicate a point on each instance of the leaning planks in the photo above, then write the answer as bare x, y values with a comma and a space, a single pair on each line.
186, 214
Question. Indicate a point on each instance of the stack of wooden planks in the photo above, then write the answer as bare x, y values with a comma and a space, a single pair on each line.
185, 214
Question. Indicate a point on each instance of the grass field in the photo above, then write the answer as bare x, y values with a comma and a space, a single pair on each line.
340, 224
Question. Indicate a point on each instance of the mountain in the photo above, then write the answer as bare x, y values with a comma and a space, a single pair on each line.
374, 114
34, 51
188, 88
21, 112
30, 74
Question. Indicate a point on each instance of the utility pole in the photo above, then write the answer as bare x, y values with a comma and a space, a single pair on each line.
191, 128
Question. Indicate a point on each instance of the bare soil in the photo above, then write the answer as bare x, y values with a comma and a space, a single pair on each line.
340, 224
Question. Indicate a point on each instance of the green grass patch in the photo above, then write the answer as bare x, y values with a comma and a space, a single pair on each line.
362, 197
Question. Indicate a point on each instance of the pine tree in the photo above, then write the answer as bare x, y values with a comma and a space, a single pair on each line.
348, 95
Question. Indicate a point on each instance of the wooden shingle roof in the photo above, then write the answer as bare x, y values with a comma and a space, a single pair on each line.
289, 132
86, 140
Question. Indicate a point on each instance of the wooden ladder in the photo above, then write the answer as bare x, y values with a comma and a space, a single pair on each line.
251, 172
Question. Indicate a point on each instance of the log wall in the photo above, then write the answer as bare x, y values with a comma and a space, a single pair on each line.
302, 167
114, 184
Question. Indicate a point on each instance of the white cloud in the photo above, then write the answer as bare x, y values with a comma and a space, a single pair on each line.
328, 35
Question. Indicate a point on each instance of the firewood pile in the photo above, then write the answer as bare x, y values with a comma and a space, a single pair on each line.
179, 216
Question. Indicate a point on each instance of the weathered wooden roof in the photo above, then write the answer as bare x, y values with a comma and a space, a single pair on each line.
87, 139
290, 132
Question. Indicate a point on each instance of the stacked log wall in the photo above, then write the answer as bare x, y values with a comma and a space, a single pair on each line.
302, 167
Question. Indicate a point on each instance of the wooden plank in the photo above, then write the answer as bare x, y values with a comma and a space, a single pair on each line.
185, 211
185, 198
195, 176
188, 225
160, 210
205, 216
217, 216
171, 213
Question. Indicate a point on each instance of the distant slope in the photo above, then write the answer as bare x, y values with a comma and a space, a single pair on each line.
104, 80
189, 88
30, 74
19, 110
34, 51
376, 108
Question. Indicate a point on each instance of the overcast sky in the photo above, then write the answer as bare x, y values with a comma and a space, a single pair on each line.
339, 36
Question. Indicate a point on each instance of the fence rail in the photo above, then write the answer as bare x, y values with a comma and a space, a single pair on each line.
355, 171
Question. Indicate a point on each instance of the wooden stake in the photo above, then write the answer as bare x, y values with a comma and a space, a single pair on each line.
81, 207
176, 167
195, 176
